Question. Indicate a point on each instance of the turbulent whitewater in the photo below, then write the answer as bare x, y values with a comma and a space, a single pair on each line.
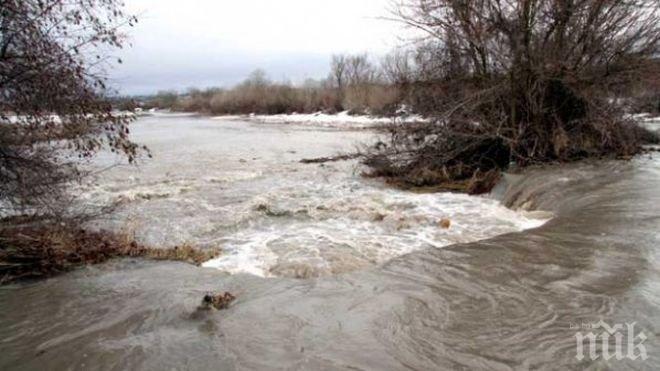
240, 186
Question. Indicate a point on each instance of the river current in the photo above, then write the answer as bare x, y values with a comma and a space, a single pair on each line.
240, 186
334, 271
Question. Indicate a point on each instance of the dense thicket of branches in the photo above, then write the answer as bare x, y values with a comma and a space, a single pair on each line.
51, 88
522, 81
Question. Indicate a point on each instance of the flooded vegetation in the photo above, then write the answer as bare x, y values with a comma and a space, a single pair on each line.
34, 249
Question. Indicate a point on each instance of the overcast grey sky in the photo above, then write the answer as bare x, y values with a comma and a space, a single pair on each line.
201, 43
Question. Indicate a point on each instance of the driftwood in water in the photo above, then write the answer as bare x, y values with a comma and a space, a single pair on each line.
321, 160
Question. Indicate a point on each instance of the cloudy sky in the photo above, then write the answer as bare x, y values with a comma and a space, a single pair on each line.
201, 43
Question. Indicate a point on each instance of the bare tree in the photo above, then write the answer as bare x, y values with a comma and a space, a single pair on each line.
526, 81
352, 76
338, 76
338, 70
52, 87
362, 76
257, 78
360, 71
398, 68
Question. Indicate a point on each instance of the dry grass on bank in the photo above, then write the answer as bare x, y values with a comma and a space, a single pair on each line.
274, 98
38, 252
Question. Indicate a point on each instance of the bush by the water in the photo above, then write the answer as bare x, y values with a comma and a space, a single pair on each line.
527, 83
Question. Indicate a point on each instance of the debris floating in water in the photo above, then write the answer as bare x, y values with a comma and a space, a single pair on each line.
445, 223
219, 301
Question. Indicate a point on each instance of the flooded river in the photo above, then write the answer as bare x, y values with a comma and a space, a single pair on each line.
240, 187
334, 271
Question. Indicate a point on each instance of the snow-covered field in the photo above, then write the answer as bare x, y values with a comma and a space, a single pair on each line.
345, 120
647, 120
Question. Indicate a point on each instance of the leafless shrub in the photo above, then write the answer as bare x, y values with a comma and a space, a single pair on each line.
255, 95
526, 81
376, 99
52, 105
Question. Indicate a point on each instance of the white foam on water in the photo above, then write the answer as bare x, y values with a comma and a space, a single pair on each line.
340, 233
233, 176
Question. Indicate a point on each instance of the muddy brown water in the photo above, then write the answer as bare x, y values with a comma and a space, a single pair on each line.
506, 303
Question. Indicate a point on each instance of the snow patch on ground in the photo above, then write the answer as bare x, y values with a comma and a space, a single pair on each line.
342, 119
647, 120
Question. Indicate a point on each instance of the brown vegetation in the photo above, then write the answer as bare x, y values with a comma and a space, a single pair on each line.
54, 112
52, 96
35, 251
522, 82
354, 84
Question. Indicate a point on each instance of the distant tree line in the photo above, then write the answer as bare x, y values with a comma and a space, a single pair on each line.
420, 79
355, 83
